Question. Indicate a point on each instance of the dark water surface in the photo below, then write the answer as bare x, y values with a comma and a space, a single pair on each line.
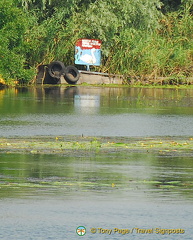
47, 196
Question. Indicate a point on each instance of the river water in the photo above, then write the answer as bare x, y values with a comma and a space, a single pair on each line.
96, 111
114, 195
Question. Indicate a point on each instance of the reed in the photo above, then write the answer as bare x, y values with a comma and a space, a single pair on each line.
167, 51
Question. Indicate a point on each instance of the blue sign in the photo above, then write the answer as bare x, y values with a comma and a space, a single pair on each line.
88, 52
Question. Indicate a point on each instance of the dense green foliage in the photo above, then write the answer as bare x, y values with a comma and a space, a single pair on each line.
13, 26
139, 37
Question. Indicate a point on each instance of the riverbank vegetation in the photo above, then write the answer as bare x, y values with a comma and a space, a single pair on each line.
150, 39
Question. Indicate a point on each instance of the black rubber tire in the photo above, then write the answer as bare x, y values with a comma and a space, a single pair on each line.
71, 74
56, 69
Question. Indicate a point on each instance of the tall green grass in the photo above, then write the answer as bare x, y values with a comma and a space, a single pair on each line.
167, 51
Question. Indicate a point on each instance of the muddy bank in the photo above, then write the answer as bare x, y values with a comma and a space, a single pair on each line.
65, 144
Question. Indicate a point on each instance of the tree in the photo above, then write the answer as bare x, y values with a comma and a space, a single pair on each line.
13, 24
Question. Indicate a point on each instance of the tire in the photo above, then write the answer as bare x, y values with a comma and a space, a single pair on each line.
56, 69
71, 74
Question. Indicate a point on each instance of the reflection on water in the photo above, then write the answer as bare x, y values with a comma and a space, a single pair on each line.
87, 103
129, 174
49, 196
96, 111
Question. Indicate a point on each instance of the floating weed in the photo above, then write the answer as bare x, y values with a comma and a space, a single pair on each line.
174, 182
34, 151
150, 182
119, 144
69, 185
24, 185
167, 186
35, 146
95, 144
